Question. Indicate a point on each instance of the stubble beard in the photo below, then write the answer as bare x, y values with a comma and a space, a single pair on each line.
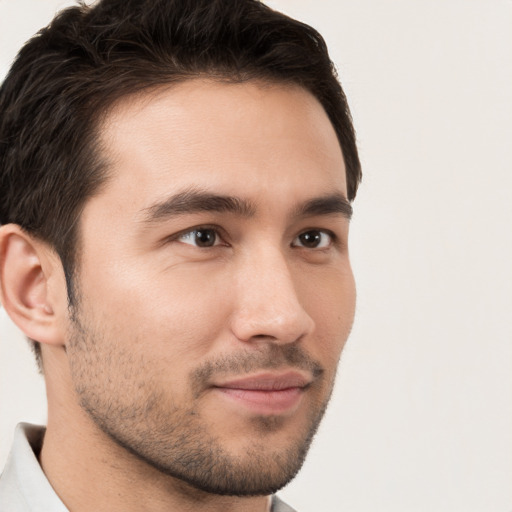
176, 439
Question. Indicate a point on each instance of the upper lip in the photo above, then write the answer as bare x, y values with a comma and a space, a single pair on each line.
267, 381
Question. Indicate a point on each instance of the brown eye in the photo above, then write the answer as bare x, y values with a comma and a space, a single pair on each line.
313, 239
201, 237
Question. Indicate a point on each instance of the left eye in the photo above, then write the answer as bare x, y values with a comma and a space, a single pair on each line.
201, 237
313, 239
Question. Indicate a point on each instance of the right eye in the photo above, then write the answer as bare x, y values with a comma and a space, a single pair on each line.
200, 237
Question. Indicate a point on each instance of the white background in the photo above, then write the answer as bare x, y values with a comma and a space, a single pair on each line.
422, 414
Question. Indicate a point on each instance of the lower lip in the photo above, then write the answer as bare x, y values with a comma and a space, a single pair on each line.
265, 402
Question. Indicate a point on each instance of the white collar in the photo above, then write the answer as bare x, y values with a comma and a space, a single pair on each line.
23, 484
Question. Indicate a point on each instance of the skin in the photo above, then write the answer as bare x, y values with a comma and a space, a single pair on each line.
132, 371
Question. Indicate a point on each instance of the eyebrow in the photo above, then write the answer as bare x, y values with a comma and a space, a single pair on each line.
195, 201
326, 205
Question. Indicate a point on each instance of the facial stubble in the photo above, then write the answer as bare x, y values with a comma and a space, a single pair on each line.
114, 387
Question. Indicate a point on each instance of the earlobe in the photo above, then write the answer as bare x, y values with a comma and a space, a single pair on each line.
25, 270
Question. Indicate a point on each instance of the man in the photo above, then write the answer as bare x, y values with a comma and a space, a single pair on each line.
176, 179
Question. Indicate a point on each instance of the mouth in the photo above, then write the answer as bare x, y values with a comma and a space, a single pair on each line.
266, 393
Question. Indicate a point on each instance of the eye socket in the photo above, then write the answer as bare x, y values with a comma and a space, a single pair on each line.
200, 237
314, 239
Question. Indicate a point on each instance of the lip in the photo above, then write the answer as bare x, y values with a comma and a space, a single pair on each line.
268, 381
266, 393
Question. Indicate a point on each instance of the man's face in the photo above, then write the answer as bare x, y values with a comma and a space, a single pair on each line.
215, 292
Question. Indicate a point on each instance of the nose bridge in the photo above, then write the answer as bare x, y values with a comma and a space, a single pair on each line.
267, 301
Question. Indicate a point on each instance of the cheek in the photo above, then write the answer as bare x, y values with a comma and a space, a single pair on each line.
172, 315
329, 298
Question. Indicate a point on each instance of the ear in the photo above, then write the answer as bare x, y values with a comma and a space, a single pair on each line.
32, 286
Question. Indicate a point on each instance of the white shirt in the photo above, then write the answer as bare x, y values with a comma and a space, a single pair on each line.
25, 488
23, 485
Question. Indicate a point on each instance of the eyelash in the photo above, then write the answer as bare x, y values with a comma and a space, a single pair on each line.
191, 232
198, 229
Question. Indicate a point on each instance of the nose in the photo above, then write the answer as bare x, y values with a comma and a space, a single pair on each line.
267, 304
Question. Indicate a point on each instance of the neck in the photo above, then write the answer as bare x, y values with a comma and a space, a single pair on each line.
92, 473
89, 471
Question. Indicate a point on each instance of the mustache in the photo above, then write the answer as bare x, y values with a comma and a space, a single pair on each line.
268, 358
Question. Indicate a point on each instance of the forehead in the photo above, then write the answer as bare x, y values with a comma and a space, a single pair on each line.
242, 138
